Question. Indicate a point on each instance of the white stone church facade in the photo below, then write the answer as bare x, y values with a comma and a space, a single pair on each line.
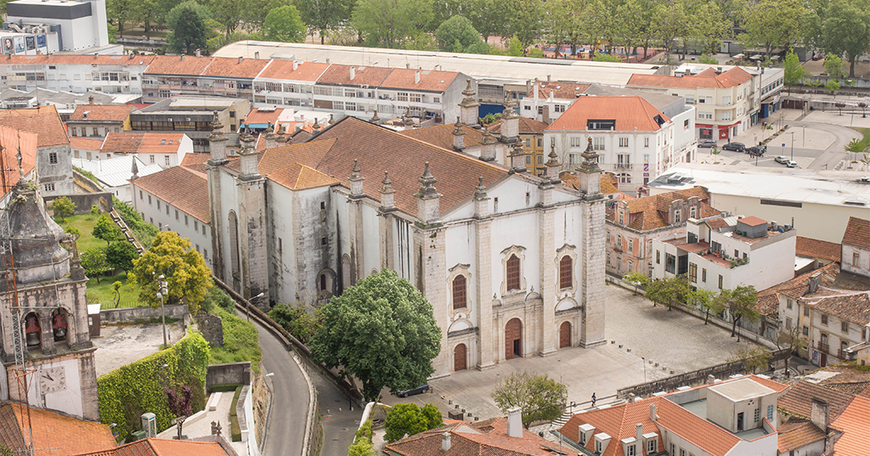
513, 264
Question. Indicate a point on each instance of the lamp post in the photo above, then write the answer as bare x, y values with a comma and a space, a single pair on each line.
643, 360
163, 291
248, 305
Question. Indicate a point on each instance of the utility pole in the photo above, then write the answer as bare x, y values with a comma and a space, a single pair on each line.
163, 291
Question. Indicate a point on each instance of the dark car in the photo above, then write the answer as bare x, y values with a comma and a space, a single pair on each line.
756, 151
413, 391
707, 143
735, 146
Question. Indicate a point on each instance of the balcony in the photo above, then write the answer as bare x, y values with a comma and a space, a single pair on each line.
823, 348
622, 166
842, 354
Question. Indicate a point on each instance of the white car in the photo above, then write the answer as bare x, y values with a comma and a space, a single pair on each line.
792, 164
781, 159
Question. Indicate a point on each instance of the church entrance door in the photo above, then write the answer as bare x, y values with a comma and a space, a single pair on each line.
513, 336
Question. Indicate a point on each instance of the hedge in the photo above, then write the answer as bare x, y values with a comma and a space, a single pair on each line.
235, 429
128, 392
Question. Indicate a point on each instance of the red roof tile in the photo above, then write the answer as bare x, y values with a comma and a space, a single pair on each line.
705, 80
430, 80
142, 143
78, 142
487, 437
44, 121
300, 177
283, 69
195, 161
793, 435
235, 67
184, 65
768, 299
618, 422
753, 221
561, 90
258, 116
11, 141
164, 447
180, 187
855, 440
651, 212
630, 113
57, 434
340, 75
442, 135
702, 433
71, 59
815, 248
102, 113
798, 400
857, 233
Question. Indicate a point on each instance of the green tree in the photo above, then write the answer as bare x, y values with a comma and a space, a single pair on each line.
94, 262
116, 293
740, 303
187, 23
792, 341
488, 17
284, 24
703, 300
120, 255
105, 229
120, 12
380, 331
391, 23
148, 14
602, 57
524, 20
846, 30
457, 29
539, 396
793, 71
755, 357
295, 319
671, 292
228, 13
361, 447
63, 207
324, 15
515, 47
182, 267
215, 297
773, 23
636, 279
834, 67
408, 419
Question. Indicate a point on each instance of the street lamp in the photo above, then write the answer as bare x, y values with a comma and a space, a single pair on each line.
163, 291
643, 360
248, 305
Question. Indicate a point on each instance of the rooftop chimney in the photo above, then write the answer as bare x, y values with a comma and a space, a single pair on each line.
352, 72
241, 58
652, 413
295, 65
417, 77
638, 432
256, 54
96, 55
815, 281
515, 422
445, 441
198, 53
182, 57
819, 414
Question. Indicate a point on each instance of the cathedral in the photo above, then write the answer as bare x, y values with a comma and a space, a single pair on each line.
512, 263
43, 300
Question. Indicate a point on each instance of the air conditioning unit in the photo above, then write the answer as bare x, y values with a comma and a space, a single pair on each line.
149, 424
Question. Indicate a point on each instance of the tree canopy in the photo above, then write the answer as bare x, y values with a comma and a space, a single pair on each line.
392, 23
120, 255
671, 292
409, 419
539, 396
106, 230
63, 207
457, 34
846, 30
184, 269
380, 331
187, 23
284, 24
740, 303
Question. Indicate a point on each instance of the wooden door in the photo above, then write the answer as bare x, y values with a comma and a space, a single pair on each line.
513, 335
460, 352
565, 335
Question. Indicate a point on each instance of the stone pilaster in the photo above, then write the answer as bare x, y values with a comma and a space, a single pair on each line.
253, 235
356, 223
483, 274
458, 136
591, 299
385, 222
430, 258
217, 142
428, 199
469, 107
549, 286
487, 150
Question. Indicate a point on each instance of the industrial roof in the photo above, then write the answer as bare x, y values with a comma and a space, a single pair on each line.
475, 65
115, 172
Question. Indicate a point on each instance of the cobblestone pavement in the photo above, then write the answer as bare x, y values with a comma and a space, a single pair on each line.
672, 339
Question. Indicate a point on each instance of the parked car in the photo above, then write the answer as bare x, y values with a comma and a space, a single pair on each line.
413, 391
707, 143
756, 151
781, 159
792, 164
735, 146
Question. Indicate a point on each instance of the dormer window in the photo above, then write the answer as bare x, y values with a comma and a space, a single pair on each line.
678, 215
652, 446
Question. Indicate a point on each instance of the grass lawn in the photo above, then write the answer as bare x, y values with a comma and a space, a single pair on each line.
241, 342
84, 223
101, 293
865, 142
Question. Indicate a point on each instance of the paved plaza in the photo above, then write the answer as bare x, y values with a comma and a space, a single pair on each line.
668, 340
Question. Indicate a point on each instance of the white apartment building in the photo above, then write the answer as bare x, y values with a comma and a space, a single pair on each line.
634, 140
158, 148
855, 253
722, 254
727, 102
74, 73
176, 199
545, 101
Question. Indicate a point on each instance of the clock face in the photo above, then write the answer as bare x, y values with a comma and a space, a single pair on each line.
52, 379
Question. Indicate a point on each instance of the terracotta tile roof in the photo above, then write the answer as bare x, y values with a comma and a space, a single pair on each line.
704, 80
58, 434
379, 149
607, 182
195, 162
650, 212
857, 233
78, 142
174, 65
142, 143
488, 437
630, 113
442, 135
563, 90
430, 80
848, 380
44, 121
309, 154
70, 59
753, 221
181, 187
814, 248
300, 177
772, 384
11, 141
283, 69
340, 75
768, 299
853, 306
527, 126
795, 434
855, 440
164, 447
102, 113
618, 422
798, 400
702, 433
233, 68
256, 116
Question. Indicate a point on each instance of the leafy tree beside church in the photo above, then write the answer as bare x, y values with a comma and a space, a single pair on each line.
380, 331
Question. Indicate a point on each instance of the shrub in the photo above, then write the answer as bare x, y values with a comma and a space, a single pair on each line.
215, 297
241, 341
63, 207
139, 387
235, 429
144, 232
296, 320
